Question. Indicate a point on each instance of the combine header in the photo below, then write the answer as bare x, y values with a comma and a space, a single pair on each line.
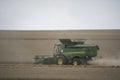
69, 52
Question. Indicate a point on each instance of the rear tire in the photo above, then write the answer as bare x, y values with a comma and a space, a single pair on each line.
76, 61
61, 60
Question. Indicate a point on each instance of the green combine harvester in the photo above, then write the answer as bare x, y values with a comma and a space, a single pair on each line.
69, 52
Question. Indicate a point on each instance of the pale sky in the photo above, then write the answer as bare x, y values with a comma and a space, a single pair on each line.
59, 14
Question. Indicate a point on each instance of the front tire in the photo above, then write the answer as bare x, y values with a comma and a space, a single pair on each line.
61, 60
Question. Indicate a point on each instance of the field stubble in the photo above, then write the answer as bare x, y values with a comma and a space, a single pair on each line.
56, 72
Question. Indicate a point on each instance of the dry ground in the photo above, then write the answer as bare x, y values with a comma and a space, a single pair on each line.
22, 46
55, 72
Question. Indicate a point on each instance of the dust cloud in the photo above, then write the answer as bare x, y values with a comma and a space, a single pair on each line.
106, 61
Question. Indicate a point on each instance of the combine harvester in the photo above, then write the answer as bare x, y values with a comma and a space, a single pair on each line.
69, 52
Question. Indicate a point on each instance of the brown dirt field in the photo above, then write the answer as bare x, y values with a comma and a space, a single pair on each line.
22, 46
55, 72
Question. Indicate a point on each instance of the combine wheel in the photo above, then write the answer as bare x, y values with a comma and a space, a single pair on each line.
76, 61
61, 60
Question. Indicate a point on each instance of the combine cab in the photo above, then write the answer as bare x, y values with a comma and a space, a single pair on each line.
70, 52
